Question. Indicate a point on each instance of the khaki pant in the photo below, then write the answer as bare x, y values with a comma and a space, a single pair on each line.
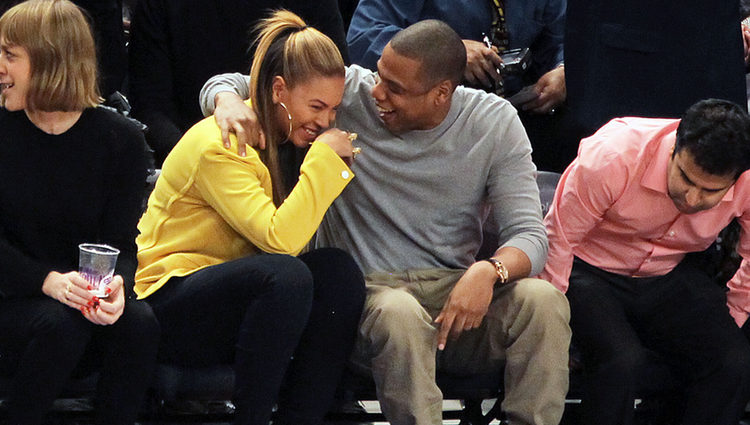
525, 331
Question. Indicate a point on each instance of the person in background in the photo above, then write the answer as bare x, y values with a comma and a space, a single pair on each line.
538, 92
176, 45
347, 7
220, 237
70, 172
106, 18
649, 59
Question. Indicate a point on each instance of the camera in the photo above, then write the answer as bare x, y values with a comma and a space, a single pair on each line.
515, 61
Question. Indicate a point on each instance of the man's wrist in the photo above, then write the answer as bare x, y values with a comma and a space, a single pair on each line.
500, 270
222, 95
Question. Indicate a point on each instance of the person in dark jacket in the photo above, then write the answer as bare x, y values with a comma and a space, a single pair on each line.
176, 45
649, 59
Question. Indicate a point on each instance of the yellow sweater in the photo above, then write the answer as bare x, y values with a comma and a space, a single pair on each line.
210, 206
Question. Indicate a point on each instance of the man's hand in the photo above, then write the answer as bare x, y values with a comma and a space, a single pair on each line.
551, 90
107, 311
232, 115
482, 64
467, 303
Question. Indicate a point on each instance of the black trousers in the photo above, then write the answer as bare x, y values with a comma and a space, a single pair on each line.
621, 325
286, 323
44, 342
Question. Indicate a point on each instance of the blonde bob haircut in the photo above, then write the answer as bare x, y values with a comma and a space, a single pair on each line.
286, 47
61, 49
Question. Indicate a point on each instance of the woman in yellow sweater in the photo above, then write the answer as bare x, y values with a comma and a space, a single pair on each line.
218, 243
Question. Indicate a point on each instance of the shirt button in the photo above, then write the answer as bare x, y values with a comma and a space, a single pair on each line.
671, 233
344, 174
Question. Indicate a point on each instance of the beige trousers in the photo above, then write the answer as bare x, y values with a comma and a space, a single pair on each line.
525, 331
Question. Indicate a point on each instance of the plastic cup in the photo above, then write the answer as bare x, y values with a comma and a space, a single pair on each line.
96, 263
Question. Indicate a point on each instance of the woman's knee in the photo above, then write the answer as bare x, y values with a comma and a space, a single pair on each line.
292, 277
61, 326
335, 266
55, 318
337, 277
271, 275
139, 323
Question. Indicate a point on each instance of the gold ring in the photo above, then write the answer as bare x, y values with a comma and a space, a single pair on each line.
356, 151
67, 290
353, 137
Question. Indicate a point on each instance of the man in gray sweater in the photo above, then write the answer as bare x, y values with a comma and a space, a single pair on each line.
435, 158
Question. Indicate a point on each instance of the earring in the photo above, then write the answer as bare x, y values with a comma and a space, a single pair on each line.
288, 116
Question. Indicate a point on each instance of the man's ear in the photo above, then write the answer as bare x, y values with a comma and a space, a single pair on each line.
279, 89
443, 92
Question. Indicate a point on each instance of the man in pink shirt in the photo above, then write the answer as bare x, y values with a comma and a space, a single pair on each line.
641, 194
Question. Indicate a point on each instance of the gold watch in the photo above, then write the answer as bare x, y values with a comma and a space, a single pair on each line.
500, 270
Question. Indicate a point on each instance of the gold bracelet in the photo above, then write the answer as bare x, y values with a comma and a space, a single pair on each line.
500, 270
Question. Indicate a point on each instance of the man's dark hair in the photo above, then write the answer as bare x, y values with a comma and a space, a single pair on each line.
433, 43
717, 134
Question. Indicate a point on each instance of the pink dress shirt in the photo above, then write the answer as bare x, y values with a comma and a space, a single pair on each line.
612, 210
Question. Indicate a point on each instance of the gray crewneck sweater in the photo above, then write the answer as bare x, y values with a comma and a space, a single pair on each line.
420, 198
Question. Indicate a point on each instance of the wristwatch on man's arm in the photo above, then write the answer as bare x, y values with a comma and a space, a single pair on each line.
500, 270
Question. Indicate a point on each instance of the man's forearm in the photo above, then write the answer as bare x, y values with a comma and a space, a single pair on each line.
515, 261
231, 82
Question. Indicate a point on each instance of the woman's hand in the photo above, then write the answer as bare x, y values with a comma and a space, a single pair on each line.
341, 143
70, 289
106, 311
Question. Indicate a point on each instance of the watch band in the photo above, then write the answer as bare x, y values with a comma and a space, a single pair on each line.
500, 270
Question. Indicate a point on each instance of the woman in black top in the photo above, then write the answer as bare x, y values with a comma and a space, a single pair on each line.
70, 172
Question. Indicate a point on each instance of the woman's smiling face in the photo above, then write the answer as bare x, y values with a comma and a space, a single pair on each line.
312, 106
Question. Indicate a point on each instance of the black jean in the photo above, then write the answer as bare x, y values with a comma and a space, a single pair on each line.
278, 319
46, 342
622, 324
